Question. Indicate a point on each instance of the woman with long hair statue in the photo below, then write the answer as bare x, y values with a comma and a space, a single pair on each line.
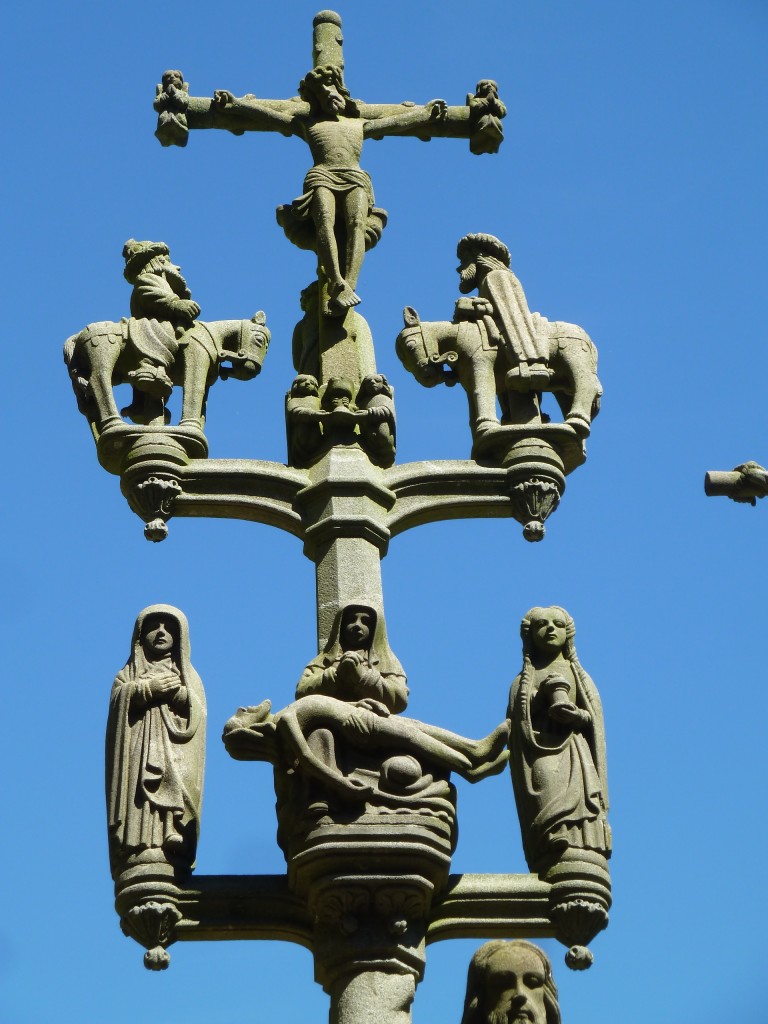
557, 745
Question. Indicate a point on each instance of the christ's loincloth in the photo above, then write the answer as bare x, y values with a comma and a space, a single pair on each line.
296, 218
339, 180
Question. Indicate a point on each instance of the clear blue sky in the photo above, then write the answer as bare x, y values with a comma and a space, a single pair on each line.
631, 189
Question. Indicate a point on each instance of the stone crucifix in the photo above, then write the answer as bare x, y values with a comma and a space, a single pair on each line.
367, 812
335, 216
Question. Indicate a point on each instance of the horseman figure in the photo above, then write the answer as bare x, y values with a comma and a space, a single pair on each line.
499, 351
161, 344
162, 310
484, 264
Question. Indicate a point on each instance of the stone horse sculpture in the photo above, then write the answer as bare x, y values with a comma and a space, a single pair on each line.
465, 351
105, 354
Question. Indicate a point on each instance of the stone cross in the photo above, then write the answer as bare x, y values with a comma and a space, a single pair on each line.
335, 216
366, 889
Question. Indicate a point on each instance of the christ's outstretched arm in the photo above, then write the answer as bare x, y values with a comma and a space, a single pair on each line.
249, 113
407, 121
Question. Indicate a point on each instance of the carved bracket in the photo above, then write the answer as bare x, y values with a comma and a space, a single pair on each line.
745, 484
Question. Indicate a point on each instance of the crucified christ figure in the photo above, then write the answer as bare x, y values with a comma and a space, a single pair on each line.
337, 202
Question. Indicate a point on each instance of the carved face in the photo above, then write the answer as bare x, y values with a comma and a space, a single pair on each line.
158, 637
467, 271
304, 386
174, 78
374, 384
328, 96
356, 629
486, 87
514, 992
338, 393
548, 631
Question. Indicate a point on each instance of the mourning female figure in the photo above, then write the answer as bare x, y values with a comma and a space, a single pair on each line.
557, 745
357, 663
347, 706
155, 751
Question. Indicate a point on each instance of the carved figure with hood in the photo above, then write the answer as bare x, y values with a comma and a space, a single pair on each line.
357, 663
155, 749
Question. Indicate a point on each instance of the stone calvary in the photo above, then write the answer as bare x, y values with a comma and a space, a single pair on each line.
367, 813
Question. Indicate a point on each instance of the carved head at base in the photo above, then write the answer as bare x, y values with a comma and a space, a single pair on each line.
510, 983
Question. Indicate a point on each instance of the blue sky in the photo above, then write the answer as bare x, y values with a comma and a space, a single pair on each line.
631, 191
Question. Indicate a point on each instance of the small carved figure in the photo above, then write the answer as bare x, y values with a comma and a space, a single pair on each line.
314, 424
338, 196
486, 112
377, 428
510, 983
357, 663
171, 104
495, 347
557, 745
340, 413
302, 420
160, 345
306, 336
156, 744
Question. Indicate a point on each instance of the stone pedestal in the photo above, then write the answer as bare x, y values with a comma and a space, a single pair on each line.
146, 899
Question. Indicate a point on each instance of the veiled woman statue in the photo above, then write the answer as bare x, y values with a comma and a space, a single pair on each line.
357, 663
557, 745
155, 751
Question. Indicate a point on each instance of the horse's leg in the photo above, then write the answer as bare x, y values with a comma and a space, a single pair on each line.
102, 358
197, 367
479, 381
572, 361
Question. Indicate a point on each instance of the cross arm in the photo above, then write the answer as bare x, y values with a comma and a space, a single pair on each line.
243, 907
430, 120
491, 907
179, 112
479, 120
244, 113
474, 906
429, 492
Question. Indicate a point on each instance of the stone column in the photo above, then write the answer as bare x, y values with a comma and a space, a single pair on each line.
344, 510
372, 997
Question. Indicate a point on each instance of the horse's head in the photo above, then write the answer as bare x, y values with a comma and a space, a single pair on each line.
246, 363
418, 349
